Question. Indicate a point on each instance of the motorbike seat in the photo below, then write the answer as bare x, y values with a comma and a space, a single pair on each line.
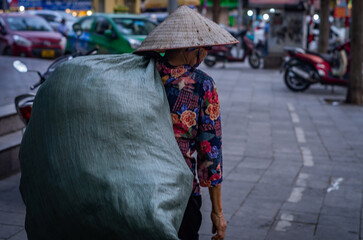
294, 49
327, 57
235, 33
240, 33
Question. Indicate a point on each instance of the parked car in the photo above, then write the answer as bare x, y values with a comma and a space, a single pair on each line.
54, 18
29, 36
111, 33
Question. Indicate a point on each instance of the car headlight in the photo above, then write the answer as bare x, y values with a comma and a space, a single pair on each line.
134, 43
21, 41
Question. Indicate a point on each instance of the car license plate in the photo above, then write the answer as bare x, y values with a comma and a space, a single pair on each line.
47, 53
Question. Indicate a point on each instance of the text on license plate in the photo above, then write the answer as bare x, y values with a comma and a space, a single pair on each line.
46, 53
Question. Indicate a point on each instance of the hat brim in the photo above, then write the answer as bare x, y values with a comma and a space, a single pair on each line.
186, 28
197, 46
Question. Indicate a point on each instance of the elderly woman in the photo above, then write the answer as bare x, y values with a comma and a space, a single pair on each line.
185, 37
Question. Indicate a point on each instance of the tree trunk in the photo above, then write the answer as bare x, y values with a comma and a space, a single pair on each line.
216, 10
355, 88
172, 5
324, 27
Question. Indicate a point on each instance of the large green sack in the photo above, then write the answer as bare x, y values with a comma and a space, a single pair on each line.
99, 159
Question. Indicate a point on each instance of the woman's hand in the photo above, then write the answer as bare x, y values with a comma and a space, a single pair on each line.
219, 226
219, 223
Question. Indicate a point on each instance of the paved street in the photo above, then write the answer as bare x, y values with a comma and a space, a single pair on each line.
13, 83
292, 163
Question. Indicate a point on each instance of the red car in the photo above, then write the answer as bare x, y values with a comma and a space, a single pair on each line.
29, 36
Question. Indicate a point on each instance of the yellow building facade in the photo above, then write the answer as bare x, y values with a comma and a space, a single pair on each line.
134, 6
116, 6
164, 3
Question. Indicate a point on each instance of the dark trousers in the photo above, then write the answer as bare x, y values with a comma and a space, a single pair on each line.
192, 219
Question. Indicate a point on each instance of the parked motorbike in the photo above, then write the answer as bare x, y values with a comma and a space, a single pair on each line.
303, 67
228, 53
24, 102
260, 47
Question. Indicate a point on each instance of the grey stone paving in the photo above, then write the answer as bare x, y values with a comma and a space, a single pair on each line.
292, 163
282, 152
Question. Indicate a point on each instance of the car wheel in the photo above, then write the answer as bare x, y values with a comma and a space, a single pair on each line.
210, 60
7, 52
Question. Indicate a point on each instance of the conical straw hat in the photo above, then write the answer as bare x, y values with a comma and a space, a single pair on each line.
185, 28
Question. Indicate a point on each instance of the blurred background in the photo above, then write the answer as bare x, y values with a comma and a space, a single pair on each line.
276, 23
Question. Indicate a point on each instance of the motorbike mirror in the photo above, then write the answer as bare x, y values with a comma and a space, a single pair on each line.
20, 66
77, 29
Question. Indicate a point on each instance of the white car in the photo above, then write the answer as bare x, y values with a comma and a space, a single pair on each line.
54, 18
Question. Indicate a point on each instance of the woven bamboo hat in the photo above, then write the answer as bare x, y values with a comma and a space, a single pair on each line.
185, 28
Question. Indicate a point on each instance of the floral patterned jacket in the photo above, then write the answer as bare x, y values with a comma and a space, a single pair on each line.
194, 107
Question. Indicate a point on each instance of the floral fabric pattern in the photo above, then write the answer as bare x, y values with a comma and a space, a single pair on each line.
194, 107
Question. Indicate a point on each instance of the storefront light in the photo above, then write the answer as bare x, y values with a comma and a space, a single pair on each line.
266, 17
250, 13
89, 13
21, 8
68, 10
74, 14
316, 17
272, 10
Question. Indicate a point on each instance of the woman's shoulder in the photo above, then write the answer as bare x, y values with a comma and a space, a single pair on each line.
202, 77
205, 82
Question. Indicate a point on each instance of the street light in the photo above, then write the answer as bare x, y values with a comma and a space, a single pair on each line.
89, 13
272, 10
250, 13
21, 8
316, 17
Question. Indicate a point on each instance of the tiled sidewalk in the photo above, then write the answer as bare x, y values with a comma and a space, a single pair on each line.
292, 163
